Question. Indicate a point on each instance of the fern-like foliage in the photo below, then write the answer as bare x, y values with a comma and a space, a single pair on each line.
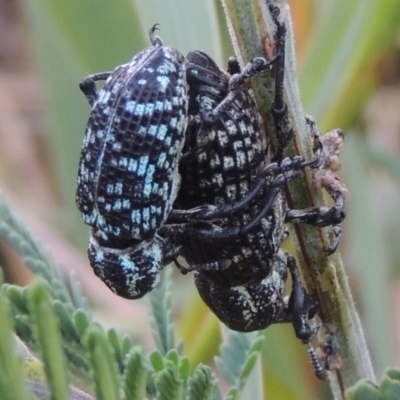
52, 318
239, 354
160, 314
201, 384
67, 291
388, 388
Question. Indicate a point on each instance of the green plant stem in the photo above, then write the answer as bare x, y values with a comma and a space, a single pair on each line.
251, 28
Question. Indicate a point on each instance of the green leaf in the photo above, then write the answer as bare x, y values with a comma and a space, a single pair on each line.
393, 373
363, 390
16, 297
135, 375
48, 336
160, 313
257, 344
184, 368
66, 323
156, 360
103, 365
238, 357
23, 328
189, 33
11, 371
126, 344
248, 366
168, 383
81, 321
78, 299
233, 394
90, 29
115, 342
389, 389
201, 385
332, 90
173, 356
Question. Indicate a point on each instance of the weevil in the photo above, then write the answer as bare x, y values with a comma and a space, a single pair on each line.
128, 174
234, 246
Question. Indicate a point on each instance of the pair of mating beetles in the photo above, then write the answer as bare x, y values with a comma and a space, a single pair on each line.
175, 162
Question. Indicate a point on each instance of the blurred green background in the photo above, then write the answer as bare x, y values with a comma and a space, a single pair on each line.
349, 75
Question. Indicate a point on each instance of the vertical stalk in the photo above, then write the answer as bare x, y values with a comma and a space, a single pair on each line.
251, 28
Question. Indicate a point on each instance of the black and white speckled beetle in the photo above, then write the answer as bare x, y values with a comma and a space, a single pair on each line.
240, 271
128, 173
